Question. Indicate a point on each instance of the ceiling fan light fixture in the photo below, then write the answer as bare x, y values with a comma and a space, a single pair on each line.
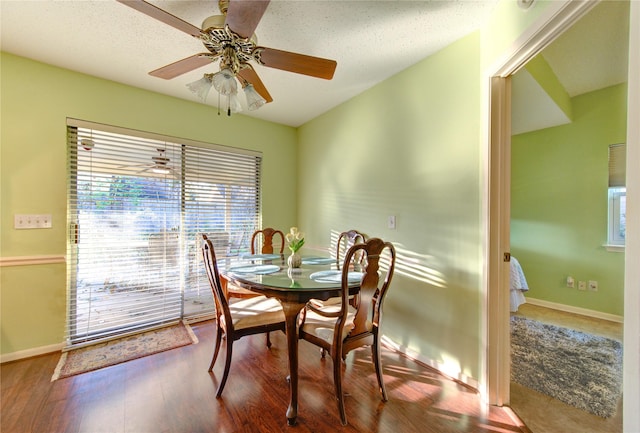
201, 87
161, 170
254, 99
234, 104
225, 82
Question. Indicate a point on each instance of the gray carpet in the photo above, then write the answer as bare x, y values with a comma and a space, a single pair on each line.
579, 369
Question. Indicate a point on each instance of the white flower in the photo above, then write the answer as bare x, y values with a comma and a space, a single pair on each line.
295, 239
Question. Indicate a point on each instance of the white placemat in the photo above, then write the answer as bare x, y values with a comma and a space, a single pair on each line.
255, 269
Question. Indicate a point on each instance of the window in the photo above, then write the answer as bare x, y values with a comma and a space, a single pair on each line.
617, 195
137, 204
617, 215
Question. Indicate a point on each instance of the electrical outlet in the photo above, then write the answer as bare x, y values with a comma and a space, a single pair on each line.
582, 285
571, 283
593, 285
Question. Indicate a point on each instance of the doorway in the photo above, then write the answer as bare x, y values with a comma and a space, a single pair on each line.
558, 162
563, 17
497, 211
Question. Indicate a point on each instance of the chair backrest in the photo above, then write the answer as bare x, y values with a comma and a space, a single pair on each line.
221, 242
211, 267
373, 287
346, 240
267, 235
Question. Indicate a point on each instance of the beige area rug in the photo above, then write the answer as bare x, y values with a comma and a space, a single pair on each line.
579, 369
114, 352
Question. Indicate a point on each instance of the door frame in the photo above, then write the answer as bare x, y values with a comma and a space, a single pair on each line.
556, 19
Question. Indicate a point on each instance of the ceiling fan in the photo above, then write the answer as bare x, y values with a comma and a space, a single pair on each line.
159, 165
230, 37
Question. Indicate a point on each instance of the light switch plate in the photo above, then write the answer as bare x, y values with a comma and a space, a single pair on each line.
391, 222
31, 221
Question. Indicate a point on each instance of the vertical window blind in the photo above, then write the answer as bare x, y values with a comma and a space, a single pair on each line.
138, 203
617, 165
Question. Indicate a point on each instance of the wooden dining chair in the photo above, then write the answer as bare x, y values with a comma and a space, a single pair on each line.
267, 236
255, 315
261, 243
341, 328
346, 240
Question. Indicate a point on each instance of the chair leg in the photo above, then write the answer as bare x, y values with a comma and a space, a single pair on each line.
227, 367
216, 348
337, 380
377, 362
269, 340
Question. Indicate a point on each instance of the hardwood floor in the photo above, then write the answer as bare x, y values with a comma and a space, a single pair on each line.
173, 392
534, 408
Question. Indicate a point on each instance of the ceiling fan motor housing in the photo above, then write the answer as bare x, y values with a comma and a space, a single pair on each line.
221, 41
161, 159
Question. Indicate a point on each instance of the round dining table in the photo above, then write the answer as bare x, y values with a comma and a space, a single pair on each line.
268, 274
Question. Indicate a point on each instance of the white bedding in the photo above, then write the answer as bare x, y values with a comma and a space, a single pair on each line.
518, 285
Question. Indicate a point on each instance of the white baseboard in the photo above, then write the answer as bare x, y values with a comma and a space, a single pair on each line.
441, 368
576, 310
22, 354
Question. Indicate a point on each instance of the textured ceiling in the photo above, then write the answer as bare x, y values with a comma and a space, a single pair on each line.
370, 40
591, 55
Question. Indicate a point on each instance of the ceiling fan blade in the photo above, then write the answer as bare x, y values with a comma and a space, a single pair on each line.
243, 16
161, 15
298, 63
249, 74
183, 66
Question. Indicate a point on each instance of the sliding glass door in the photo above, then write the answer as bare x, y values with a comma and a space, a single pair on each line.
137, 206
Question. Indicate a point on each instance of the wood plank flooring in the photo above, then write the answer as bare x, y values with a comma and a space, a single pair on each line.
173, 392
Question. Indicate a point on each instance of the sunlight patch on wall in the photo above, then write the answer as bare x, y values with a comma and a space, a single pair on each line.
416, 266
410, 264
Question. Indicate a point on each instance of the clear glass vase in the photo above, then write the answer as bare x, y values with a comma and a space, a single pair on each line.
294, 260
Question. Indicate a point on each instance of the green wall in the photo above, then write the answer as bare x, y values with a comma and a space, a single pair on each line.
412, 147
36, 100
508, 23
559, 204
409, 147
